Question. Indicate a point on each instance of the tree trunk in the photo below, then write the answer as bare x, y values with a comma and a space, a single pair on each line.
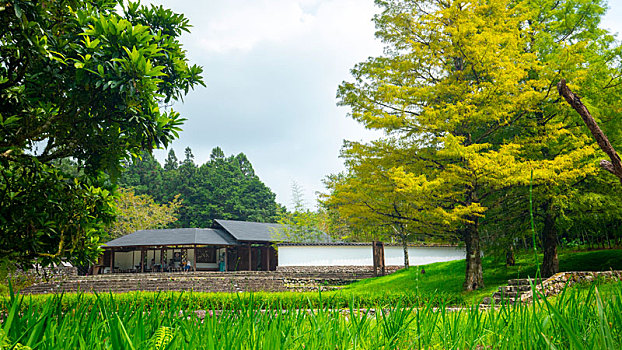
608, 241
509, 257
405, 247
615, 165
550, 263
474, 273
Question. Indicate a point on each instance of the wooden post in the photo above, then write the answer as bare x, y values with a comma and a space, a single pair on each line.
142, 260
378, 257
162, 259
267, 249
250, 258
374, 257
194, 259
226, 258
381, 257
112, 260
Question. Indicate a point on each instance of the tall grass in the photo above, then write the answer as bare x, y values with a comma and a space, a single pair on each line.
282, 300
577, 319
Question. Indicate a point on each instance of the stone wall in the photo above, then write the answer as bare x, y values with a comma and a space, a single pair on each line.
555, 284
289, 278
47, 274
343, 270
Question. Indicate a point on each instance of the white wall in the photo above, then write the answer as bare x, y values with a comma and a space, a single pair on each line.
362, 255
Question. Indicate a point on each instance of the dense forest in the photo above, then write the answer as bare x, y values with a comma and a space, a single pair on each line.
222, 188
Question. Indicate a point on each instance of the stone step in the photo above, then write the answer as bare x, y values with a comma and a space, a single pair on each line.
523, 281
506, 294
498, 301
510, 301
515, 288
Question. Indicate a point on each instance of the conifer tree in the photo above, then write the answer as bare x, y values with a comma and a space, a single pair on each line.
222, 188
171, 162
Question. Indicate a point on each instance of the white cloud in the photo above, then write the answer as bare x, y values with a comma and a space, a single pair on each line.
241, 25
223, 27
611, 20
272, 68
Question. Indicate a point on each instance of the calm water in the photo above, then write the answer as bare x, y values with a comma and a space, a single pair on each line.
362, 255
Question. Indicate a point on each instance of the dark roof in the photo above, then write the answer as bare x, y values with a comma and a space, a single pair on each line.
252, 231
175, 236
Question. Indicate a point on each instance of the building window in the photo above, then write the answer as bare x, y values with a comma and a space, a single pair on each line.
206, 255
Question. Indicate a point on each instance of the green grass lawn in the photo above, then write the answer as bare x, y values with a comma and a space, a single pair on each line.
582, 317
446, 278
441, 284
586, 316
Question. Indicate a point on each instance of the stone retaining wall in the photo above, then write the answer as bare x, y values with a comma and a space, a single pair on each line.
50, 273
555, 284
354, 270
289, 278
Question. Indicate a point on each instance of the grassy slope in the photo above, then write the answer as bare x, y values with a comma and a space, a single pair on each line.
448, 277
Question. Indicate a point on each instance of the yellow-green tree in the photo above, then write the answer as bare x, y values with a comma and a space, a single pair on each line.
472, 83
301, 225
567, 42
380, 198
140, 212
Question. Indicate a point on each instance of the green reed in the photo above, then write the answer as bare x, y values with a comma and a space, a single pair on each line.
284, 300
579, 318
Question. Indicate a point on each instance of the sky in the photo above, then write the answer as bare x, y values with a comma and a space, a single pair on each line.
272, 68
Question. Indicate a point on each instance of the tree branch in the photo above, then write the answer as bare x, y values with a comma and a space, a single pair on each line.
615, 166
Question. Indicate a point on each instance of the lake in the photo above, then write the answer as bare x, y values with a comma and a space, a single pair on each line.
362, 255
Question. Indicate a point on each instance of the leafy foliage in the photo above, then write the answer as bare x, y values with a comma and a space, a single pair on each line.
161, 338
222, 188
303, 225
48, 215
80, 80
379, 194
465, 91
140, 212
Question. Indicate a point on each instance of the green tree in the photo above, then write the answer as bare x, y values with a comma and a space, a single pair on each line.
143, 174
380, 199
171, 163
302, 225
80, 80
185, 185
593, 216
233, 190
471, 82
222, 188
567, 41
140, 212
439, 89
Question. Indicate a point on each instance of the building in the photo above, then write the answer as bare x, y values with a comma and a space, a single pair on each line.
229, 246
